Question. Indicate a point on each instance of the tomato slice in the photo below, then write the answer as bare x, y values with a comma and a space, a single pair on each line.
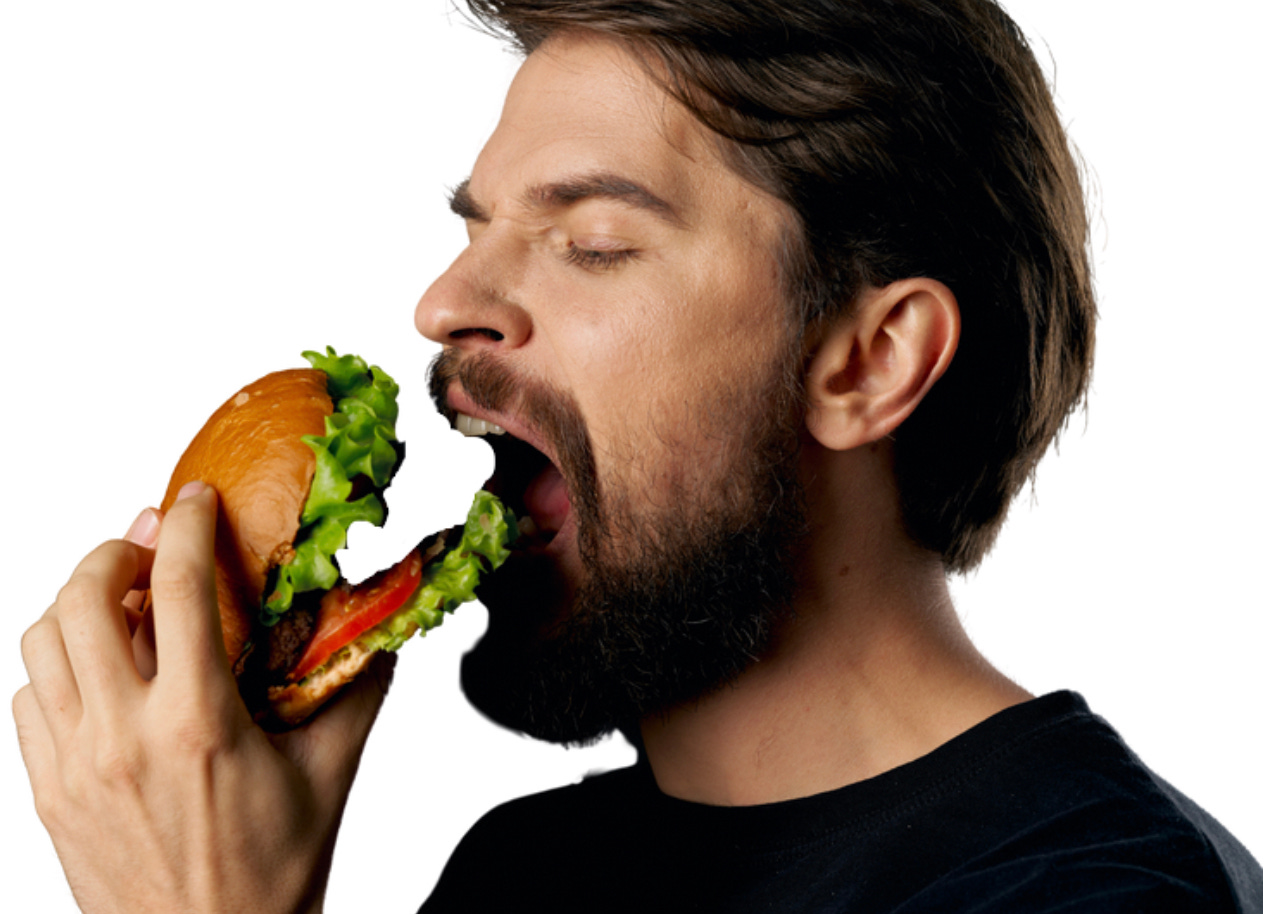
347, 612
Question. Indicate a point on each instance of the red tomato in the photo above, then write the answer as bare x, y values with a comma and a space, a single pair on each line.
347, 612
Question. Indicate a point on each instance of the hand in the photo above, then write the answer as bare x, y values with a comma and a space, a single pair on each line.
158, 790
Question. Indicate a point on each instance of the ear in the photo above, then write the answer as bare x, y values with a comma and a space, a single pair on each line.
871, 368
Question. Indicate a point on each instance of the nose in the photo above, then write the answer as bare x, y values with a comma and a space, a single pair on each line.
466, 308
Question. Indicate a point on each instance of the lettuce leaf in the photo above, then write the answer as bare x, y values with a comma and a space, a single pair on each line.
359, 440
490, 529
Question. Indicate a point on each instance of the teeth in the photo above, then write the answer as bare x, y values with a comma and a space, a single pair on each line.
476, 428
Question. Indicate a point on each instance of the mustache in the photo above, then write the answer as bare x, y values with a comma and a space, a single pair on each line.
488, 383
552, 413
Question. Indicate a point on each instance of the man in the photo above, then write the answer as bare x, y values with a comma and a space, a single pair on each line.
784, 381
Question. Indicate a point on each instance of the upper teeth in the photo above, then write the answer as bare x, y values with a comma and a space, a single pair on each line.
476, 428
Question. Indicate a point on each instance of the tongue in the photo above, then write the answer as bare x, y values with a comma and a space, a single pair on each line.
547, 500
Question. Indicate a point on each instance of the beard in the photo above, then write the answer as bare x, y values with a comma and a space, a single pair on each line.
680, 592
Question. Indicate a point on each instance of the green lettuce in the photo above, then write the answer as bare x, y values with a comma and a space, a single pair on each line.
359, 440
490, 529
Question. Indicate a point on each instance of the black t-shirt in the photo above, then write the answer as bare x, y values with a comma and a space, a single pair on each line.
1040, 808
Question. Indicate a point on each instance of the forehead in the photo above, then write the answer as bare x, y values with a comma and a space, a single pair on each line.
583, 104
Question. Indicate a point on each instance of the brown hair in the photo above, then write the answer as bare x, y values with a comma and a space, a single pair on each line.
910, 138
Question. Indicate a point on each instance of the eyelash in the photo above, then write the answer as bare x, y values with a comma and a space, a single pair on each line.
597, 260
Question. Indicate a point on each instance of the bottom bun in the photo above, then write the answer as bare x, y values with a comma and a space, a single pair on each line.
292, 704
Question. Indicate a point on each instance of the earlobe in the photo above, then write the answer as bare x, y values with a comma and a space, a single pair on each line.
871, 369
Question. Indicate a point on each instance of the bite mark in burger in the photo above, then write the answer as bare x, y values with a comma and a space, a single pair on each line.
297, 457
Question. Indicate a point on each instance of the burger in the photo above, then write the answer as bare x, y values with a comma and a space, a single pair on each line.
297, 457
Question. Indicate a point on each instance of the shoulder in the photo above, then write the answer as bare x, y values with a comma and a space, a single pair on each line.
1076, 818
1092, 878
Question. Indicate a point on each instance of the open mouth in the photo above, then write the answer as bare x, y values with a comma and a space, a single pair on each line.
526, 480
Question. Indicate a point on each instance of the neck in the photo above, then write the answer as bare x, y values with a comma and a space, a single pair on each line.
872, 671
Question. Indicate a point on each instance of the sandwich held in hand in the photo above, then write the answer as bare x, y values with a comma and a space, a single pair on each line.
297, 457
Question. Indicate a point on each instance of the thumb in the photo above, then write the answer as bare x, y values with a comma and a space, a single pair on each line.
328, 748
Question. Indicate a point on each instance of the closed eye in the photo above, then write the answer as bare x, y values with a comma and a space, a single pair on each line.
598, 260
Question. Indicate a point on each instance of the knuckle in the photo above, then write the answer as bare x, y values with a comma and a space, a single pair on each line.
36, 640
179, 583
50, 806
93, 581
117, 762
78, 596
196, 737
25, 707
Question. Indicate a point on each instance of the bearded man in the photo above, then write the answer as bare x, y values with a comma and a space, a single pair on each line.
777, 306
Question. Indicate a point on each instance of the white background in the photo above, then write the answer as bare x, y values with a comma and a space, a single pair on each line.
192, 193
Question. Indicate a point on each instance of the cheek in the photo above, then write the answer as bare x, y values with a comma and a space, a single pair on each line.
617, 356
649, 354
651, 364
660, 404
627, 375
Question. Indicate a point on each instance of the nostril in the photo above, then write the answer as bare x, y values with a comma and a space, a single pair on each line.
494, 335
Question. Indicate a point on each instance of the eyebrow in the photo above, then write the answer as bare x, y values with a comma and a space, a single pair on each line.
570, 191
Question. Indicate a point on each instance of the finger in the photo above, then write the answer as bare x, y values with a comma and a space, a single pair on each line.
90, 615
134, 609
187, 632
35, 740
52, 681
328, 748
144, 651
143, 532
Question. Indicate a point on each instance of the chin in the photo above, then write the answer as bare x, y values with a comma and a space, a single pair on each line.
515, 687
513, 673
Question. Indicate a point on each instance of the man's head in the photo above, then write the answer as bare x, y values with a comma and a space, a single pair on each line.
906, 138
619, 309
647, 304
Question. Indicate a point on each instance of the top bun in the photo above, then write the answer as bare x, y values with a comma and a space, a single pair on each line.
251, 452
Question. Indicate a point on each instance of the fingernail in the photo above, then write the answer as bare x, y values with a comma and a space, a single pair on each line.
144, 530
189, 489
